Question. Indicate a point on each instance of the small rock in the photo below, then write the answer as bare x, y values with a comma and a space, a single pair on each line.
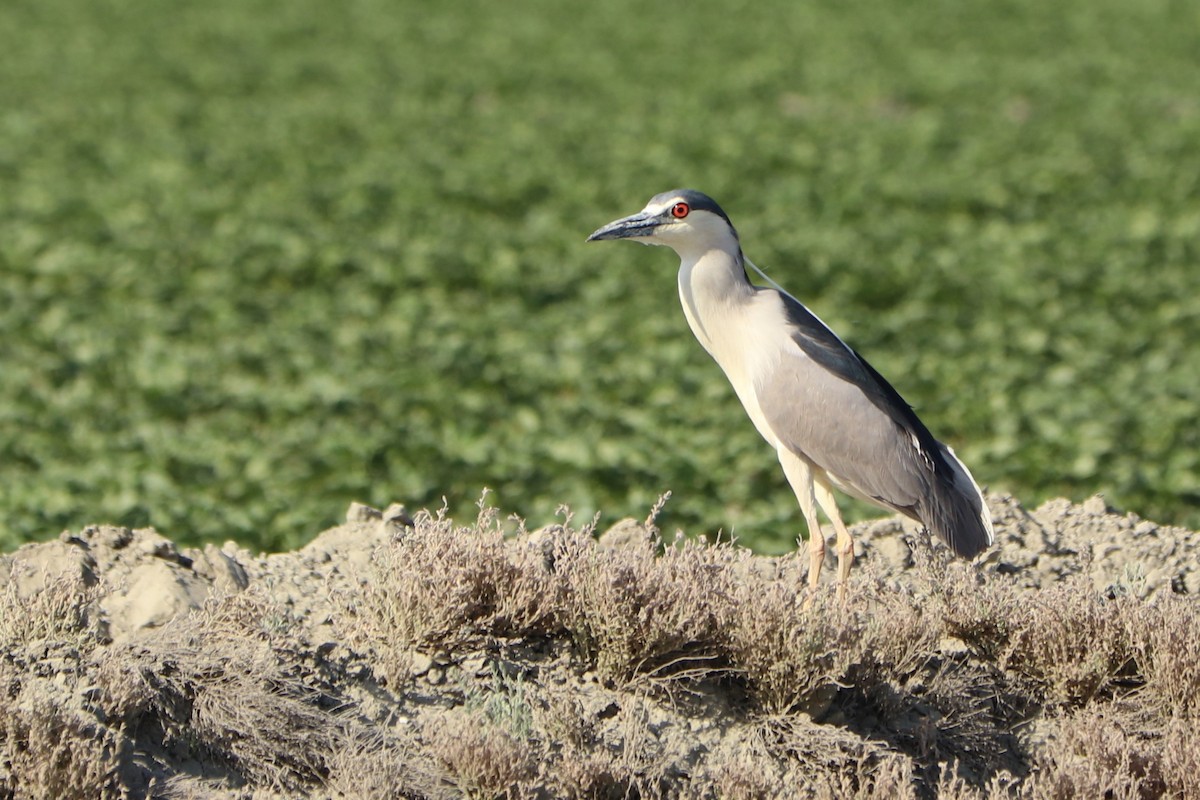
894, 551
153, 543
953, 646
157, 592
475, 665
358, 512
397, 514
626, 533
435, 676
543, 540
420, 663
351, 545
758, 568
112, 536
35, 566
1096, 506
1145, 529
221, 569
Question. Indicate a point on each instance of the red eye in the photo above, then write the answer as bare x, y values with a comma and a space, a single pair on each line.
680, 210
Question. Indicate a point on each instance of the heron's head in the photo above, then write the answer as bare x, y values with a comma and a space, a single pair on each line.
684, 220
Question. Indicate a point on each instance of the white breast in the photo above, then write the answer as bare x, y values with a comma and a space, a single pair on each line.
744, 331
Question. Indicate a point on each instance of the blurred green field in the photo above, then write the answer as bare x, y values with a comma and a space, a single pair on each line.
258, 260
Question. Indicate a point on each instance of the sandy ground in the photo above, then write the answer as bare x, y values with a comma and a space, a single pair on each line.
146, 586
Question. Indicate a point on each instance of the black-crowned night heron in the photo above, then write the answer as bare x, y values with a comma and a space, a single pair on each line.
833, 420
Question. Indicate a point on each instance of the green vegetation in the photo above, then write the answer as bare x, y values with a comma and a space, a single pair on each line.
260, 260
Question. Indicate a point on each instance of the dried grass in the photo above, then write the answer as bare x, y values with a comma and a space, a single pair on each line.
975, 611
609, 662
793, 657
952, 786
213, 684
622, 756
49, 745
441, 586
482, 759
1165, 638
636, 614
832, 762
64, 609
898, 634
1096, 753
48, 750
1070, 641
738, 773
386, 764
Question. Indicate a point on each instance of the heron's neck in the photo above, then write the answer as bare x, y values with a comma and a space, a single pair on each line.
712, 283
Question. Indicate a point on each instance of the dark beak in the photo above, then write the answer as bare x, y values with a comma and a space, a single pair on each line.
640, 224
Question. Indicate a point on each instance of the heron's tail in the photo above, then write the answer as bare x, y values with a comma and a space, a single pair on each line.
954, 509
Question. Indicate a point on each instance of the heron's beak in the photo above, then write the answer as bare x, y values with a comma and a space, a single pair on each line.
640, 224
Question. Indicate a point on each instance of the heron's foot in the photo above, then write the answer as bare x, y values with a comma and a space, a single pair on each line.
810, 598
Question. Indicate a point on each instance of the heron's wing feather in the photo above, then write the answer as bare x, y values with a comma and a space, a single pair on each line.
830, 421
826, 348
826, 402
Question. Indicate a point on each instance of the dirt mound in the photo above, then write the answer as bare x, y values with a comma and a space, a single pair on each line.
394, 657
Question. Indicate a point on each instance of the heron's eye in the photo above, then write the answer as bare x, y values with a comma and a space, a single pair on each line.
680, 210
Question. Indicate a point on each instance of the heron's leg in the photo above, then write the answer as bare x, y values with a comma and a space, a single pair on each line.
845, 544
800, 476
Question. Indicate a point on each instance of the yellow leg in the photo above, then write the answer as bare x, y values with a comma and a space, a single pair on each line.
800, 476
845, 544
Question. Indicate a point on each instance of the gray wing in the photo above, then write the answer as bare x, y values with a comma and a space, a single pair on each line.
826, 403
831, 423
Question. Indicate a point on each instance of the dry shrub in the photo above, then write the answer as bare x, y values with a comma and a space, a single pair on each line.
481, 759
638, 615
50, 746
588, 775
1096, 752
213, 684
963, 713
441, 586
47, 750
583, 767
374, 764
64, 610
952, 786
898, 635
1180, 759
1117, 751
641, 766
1166, 640
744, 765
1070, 641
1067, 641
619, 758
974, 610
741, 774
932, 704
889, 778
792, 656
830, 763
